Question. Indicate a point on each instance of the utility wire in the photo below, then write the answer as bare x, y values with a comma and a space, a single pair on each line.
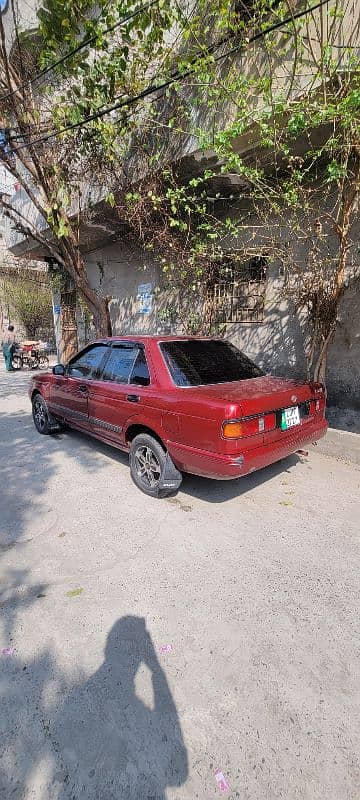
275, 27
77, 49
177, 76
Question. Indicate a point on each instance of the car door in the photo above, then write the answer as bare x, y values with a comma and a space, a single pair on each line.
69, 393
120, 390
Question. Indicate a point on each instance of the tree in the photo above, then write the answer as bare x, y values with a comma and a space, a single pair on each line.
268, 92
291, 103
30, 300
53, 171
300, 186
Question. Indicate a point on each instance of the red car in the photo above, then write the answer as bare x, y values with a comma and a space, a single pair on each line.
179, 404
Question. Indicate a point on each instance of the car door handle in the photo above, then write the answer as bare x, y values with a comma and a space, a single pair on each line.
133, 398
83, 389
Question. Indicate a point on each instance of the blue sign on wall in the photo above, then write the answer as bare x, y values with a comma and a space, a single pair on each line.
57, 309
145, 297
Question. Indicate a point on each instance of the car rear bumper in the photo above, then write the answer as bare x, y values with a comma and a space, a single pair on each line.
214, 465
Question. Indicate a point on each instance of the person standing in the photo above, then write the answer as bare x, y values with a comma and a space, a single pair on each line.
8, 348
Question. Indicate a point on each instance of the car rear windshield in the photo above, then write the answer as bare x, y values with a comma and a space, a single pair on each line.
197, 362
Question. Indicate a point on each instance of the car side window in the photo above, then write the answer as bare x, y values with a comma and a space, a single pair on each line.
87, 364
120, 363
140, 373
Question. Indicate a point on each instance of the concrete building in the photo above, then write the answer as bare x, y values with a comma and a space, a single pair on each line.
275, 340
265, 325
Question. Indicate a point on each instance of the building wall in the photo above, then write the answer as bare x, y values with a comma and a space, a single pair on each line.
117, 271
25, 14
344, 353
7, 314
277, 344
341, 30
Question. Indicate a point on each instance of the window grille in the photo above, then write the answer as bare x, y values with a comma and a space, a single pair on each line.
238, 295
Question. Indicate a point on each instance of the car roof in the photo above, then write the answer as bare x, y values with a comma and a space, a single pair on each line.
148, 337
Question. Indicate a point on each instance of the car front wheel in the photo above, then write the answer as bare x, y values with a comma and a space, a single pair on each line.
148, 463
44, 422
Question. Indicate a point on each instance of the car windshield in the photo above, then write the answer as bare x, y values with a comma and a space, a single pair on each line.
197, 362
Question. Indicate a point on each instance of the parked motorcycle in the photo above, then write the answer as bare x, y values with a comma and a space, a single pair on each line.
29, 359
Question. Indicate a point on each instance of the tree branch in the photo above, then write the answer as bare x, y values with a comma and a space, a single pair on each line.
22, 224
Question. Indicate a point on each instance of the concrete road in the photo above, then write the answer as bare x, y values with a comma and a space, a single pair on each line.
253, 583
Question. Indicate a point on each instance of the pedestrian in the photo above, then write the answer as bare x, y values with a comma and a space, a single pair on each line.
8, 347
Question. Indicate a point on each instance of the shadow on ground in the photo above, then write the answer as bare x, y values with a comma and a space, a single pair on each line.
66, 735
28, 462
95, 738
212, 491
344, 419
220, 491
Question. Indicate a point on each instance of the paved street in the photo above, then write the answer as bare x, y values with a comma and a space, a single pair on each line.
254, 583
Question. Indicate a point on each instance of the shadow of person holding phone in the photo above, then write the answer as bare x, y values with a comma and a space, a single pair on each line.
110, 744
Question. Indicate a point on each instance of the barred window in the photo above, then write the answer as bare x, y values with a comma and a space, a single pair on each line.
238, 294
246, 9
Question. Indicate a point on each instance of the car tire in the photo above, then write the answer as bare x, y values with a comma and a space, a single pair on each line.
43, 420
147, 464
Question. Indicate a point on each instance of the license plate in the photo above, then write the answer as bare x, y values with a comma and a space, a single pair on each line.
290, 417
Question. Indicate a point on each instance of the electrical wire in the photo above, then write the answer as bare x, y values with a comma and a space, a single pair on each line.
178, 76
203, 52
77, 49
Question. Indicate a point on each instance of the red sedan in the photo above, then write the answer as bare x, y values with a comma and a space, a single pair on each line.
179, 404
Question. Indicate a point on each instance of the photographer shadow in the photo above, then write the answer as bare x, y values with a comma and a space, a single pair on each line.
111, 744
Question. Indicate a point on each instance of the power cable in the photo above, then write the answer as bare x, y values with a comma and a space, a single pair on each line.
77, 49
177, 76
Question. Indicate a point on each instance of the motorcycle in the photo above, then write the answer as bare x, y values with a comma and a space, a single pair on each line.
29, 359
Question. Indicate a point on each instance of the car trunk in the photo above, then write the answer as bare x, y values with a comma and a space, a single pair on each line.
257, 397
257, 391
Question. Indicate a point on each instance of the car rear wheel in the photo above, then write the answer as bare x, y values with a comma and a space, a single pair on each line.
147, 465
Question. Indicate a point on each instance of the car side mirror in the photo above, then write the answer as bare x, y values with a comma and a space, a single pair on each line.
58, 369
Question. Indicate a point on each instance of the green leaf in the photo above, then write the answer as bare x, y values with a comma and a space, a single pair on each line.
62, 229
297, 123
74, 592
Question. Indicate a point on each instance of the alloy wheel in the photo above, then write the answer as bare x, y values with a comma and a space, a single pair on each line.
147, 466
39, 415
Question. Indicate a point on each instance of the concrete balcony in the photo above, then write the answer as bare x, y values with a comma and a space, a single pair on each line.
100, 225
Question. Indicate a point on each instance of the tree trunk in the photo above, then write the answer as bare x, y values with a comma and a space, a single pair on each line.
76, 268
101, 315
320, 367
69, 337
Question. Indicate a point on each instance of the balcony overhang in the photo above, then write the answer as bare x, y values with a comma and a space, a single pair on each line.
103, 226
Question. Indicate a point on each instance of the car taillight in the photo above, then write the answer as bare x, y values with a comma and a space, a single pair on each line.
317, 404
248, 426
319, 389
